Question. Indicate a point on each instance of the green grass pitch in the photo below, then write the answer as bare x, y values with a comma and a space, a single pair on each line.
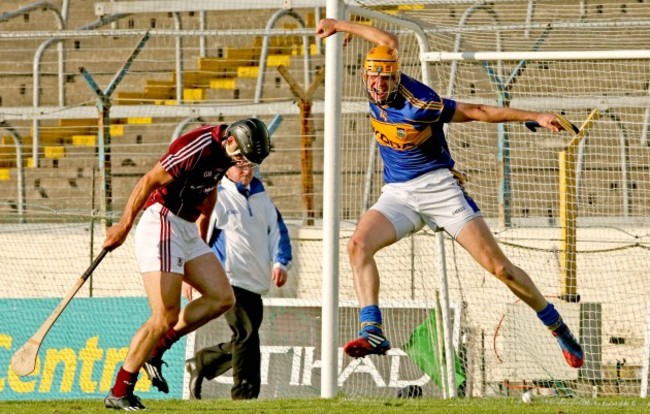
342, 405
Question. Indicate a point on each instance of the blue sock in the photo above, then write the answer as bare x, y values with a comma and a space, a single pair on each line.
370, 319
552, 319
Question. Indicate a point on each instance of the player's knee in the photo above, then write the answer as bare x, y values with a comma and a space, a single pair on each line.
358, 249
162, 323
218, 305
503, 272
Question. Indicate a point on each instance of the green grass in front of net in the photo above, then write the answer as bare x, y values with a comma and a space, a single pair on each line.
340, 406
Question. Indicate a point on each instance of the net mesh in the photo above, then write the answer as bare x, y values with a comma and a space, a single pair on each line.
53, 216
514, 176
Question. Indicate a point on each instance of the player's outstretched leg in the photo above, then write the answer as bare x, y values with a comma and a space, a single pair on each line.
371, 338
571, 349
153, 368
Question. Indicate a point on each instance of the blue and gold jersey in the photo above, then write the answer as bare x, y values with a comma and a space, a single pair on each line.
409, 131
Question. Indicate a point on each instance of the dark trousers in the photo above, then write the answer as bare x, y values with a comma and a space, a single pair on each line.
242, 353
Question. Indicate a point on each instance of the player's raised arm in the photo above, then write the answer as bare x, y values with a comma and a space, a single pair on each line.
328, 27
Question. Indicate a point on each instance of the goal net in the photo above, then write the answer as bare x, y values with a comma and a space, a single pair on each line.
579, 228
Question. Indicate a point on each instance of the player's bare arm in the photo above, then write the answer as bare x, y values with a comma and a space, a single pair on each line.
466, 112
156, 177
328, 27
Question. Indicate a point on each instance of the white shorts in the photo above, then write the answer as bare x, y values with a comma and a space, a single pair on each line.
164, 242
434, 199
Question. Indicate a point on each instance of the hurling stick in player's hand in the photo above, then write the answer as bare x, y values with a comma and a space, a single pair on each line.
23, 361
564, 123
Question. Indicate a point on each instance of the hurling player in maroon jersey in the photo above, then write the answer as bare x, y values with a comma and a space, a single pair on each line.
178, 195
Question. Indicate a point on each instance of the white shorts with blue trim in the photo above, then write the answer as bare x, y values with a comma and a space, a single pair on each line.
434, 199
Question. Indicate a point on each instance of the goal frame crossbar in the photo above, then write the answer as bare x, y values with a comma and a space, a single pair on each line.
539, 55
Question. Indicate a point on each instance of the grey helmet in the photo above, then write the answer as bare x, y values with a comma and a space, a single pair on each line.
252, 136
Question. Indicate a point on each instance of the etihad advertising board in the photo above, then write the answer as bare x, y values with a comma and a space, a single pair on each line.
85, 348
291, 366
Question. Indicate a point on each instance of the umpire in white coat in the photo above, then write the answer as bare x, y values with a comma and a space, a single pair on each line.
251, 240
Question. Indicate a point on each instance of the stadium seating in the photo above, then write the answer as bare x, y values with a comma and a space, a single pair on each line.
228, 73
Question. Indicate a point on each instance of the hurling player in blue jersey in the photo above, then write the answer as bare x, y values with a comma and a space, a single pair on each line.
407, 118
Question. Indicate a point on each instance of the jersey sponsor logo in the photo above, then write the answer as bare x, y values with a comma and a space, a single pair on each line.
401, 137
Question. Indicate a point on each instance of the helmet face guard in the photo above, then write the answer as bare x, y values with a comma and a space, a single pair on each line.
382, 61
252, 139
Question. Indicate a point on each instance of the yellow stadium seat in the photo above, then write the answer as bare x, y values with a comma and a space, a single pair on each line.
84, 140
139, 121
248, 71
299, 50
277, 60
168, 102
5, 174
54, 152
193, 94
410, 7
228, 84
117, 130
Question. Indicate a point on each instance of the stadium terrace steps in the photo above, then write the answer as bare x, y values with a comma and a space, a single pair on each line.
7, 156
230, 73
218, 73
137, 147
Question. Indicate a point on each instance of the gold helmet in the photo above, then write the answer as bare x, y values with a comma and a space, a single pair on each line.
382, 61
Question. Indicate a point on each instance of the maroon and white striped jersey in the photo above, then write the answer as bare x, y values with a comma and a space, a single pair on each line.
197, 161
